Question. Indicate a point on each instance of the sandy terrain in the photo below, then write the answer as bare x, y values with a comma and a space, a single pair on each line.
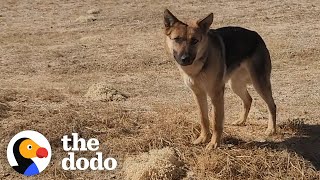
51, 52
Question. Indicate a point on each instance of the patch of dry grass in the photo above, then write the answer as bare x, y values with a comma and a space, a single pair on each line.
253, 163
156, 164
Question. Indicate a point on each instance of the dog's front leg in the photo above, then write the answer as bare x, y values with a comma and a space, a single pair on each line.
201, 100
217, 98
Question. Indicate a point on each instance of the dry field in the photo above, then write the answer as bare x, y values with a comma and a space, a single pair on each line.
51, 52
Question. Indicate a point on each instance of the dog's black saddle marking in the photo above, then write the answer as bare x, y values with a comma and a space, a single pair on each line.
239, 43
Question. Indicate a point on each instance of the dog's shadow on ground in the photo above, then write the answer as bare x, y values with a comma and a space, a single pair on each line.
306, 143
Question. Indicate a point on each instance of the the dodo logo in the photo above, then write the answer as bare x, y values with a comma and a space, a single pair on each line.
29, 153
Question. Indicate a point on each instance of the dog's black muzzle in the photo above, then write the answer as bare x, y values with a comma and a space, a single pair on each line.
183, 59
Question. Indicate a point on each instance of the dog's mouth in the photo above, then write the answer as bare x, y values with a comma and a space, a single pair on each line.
184, 63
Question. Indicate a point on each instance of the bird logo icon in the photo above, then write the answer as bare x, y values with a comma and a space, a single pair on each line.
29, 153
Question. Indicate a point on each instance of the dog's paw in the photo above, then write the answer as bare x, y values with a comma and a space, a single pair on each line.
200, 139
270, 131
212, 145
239, 122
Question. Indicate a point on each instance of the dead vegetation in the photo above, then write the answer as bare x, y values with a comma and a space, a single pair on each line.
49, 62
104, 92
4, 108
156, 164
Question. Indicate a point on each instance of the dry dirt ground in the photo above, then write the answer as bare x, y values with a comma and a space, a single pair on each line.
51, 52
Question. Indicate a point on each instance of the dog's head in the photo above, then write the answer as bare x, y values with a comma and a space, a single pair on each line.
186, 40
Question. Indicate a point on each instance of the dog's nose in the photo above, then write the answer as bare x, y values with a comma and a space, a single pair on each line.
185, 58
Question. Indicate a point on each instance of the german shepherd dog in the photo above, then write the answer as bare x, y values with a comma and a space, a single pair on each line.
208, 58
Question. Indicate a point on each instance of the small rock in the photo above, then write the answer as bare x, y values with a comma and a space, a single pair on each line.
94, 11
261, 139
84, 19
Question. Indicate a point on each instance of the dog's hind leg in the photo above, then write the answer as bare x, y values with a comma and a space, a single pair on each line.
263, 87
260, 70
239, 87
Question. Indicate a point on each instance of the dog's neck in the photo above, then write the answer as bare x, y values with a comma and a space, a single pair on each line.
194, 69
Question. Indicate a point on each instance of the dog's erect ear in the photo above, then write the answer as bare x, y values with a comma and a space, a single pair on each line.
169, 19
206, 22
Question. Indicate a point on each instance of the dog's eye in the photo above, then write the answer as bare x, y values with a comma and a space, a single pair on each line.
178, 39
194, 41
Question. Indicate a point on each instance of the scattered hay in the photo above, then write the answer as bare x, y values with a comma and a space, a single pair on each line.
190, 176
95, 38
4, 108
253, 163
94, 11
83, 19
156, 164
293, 125
8, 95
51, 95
103, 92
